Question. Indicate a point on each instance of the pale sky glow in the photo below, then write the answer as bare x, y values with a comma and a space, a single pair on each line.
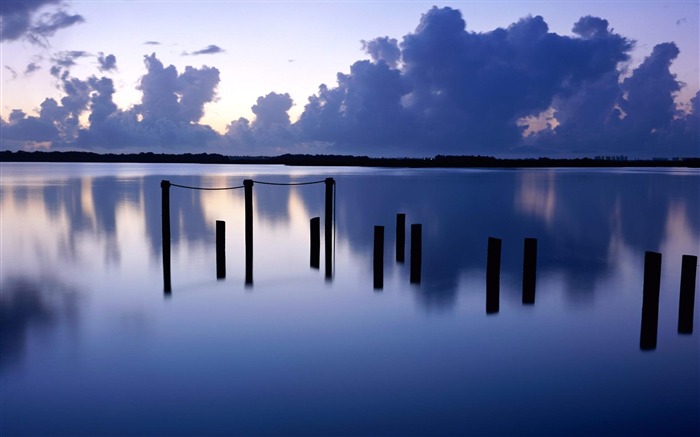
295, 46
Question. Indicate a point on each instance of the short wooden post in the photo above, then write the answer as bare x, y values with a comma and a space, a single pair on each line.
165, 213
416, 255
330, 183
529, 270
220, 249
248, 191
493, 273
378, 257
686, 304
400, 237
650, 301
315, 229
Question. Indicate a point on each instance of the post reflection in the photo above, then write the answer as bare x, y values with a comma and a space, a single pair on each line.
577, 217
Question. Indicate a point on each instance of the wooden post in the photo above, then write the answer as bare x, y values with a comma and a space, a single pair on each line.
315, 228
378, 257
416, 255
400, 237
165, 212
248, 191
330, 183
220, 249
529, 270
686, 304
650, 301
493, 274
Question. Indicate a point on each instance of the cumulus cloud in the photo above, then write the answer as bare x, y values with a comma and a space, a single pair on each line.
441, 89
107, 63
166, 118
25, 20
270, 132
383, 49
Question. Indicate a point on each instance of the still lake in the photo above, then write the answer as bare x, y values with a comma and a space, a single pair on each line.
91, 344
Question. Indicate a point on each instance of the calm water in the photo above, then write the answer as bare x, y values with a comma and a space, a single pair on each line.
91, 345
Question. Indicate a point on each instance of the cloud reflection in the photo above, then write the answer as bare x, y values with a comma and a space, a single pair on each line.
576, 215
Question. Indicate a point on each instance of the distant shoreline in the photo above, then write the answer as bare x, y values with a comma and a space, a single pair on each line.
439, 161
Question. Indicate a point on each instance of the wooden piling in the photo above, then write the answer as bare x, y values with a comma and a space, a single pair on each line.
315, 243
686, 304
529, 270
378, 257
220, 249
400, 237
330, 183
493, 273
165, 213
650, 300
416, 255
248, 191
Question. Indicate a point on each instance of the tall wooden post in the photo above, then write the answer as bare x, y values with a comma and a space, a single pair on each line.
650, 300
493, 276
165, 213
220, 249
416, 255
248, 191
400, 237
378, 257
330, 183
686, 304
529, 270
315, 228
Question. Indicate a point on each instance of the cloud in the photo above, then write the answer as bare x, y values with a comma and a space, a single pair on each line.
152, 43
31, 68
166, 119
441, 89
22, 19
270, 132
209, 50
383, 49
107, 63
67, 58
12, 71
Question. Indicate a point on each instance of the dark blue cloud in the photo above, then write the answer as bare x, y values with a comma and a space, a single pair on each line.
383, 49
166, 118
208, 50
271, 130
31, 68
21, 19
441, 89
106, 63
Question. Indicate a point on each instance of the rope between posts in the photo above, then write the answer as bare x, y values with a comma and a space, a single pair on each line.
289, 183
204, 188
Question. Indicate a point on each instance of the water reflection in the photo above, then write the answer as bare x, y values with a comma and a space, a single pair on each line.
220, 359
581, 218
32, 305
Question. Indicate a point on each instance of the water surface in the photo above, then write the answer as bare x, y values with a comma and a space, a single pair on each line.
91, 345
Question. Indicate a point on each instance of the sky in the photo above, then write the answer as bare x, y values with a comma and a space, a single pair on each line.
379, 78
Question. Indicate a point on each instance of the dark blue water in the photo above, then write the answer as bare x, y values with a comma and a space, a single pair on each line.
91, 344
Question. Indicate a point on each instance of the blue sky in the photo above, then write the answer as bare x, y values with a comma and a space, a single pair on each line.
242, 51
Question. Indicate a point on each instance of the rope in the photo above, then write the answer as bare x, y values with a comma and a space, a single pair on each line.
204, 188
289, 183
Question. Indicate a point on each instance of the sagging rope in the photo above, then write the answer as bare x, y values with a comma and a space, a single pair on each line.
289, 183
204, 188
241, 186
